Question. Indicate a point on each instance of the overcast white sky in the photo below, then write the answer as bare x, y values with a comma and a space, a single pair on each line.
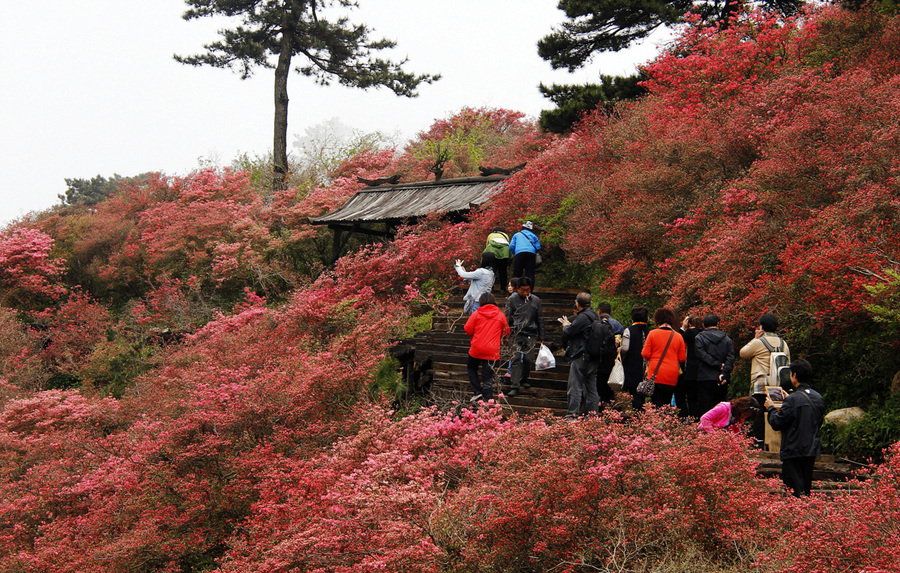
90, 87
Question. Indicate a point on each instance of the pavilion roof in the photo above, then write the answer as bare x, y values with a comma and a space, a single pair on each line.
394, 203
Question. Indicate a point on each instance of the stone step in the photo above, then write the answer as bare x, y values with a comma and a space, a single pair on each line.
830, 476
529, 402
552, 378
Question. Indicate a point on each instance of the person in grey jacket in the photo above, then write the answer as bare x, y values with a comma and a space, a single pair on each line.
525, 316
481, 280
582, 368
715, 354
799, 420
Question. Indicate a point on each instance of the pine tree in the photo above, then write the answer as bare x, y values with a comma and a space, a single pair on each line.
271, 32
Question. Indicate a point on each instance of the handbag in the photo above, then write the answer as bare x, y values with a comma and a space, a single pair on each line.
617, 377
538, 259
648, 384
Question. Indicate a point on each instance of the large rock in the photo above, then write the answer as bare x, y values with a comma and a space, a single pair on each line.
844, 416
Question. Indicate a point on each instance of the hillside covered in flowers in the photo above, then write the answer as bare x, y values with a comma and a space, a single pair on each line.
187, 384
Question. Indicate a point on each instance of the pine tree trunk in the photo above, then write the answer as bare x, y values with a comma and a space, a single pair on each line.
279, 146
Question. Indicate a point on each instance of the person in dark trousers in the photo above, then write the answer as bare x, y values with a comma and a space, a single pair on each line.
524, 247
498, 245
487, 326
582, 368
608, 360
664, 352
799, 420
687, 392
759, 354
526, 319
715, 356
632, 362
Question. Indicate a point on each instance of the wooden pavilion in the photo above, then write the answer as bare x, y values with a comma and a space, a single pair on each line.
377, 210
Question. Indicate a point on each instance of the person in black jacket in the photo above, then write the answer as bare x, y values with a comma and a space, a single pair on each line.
715, 356
799, 419
526, 319
632, 362
582, 368
687, 392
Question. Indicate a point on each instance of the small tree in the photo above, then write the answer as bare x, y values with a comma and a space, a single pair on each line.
573, 101
92, 191
334, 49
89, 191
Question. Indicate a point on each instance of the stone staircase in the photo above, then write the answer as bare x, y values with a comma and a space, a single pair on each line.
438, 358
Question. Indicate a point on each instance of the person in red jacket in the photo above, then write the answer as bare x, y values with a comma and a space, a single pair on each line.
672, 357
487, 326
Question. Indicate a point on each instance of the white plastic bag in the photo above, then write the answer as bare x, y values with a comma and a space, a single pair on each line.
545, 359
617, 377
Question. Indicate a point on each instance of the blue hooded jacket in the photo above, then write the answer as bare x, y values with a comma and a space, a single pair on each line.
524, 242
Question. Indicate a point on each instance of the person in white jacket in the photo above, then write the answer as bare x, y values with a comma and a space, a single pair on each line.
481, 280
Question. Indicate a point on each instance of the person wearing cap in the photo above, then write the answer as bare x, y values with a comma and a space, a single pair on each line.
715, 358
524, 247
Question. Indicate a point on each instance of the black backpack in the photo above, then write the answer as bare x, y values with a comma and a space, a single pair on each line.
601, 342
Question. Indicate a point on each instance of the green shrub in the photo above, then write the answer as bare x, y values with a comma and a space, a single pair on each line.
867, 437
63, 381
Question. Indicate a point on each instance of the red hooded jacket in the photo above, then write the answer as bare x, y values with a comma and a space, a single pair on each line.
486, 326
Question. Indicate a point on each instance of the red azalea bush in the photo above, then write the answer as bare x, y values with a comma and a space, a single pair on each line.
472, 492
469, 139
758, 173
28, 271
856, 531
161, 479
20, 347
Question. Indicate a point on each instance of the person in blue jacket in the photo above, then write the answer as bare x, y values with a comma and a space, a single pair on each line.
524, 247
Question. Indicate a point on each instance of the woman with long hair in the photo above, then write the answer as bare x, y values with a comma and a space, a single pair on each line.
730, 415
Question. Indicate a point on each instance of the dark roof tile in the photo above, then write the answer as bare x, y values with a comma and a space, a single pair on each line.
411, 200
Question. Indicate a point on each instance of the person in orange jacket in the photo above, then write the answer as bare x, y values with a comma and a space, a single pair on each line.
655, 350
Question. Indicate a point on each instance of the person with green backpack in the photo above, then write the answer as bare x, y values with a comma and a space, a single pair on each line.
498, 244
765, 349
